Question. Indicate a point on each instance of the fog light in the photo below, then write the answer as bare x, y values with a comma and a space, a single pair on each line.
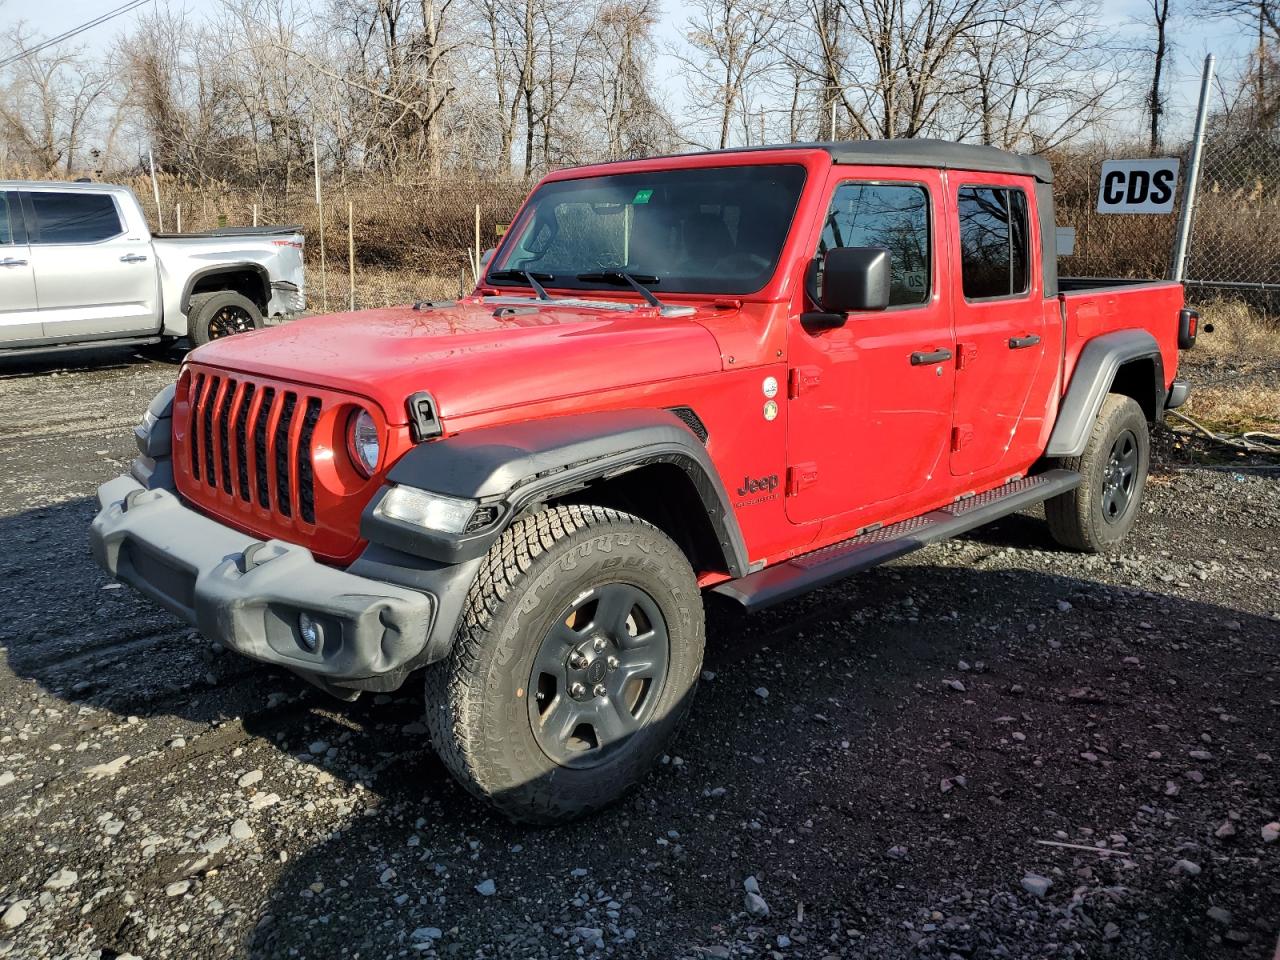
309, 631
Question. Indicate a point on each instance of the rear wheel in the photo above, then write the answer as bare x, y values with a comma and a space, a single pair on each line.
222, 313
575, 663
1098, 514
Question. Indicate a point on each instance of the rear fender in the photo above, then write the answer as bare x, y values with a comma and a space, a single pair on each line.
1127, 361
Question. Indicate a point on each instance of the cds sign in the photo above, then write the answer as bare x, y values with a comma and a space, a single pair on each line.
1138, 186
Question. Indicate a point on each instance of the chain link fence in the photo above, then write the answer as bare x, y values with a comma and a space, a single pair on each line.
1235, 232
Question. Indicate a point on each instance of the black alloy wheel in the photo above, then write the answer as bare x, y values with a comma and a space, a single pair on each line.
229, 320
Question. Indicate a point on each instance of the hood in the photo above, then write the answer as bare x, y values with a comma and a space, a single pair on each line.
469, 359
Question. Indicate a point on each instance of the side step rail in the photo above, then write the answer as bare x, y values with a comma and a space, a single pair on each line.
78, 345
809, 571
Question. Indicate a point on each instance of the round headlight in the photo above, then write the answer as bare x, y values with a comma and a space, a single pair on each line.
362, 442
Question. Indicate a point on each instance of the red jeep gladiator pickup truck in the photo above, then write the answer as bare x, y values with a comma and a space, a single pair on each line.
750, 372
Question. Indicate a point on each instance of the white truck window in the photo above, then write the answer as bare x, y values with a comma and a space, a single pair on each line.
75, 217
6, 231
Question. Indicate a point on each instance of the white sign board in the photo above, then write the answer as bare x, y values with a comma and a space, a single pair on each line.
1138, 186
1066, 241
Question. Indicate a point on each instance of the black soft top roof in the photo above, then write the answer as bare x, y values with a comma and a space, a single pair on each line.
922, 153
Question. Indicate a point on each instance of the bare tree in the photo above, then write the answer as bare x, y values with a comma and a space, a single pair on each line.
46, 103
1039, 75
616, 92
1155, 96
1262, 19
731, 48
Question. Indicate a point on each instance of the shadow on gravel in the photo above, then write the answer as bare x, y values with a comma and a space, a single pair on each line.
812, 759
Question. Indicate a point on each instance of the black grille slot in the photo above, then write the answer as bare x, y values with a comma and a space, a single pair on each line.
211, 398
260, 445
283, 492
306, 478
692, 421
193, 400
242, 445
224, 434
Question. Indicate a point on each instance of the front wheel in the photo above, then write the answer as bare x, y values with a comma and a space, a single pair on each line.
1097, 515
576, 661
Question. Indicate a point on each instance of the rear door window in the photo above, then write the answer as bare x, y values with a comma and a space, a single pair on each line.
7, 221
994, 248
74, 217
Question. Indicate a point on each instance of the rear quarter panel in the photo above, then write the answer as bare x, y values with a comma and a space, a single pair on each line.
1149, 306
181, 258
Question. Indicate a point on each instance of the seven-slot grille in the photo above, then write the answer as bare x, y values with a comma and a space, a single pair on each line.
253, 442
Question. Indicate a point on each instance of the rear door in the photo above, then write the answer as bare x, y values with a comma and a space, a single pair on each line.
870, 407
95, 275
19, 319
998, 314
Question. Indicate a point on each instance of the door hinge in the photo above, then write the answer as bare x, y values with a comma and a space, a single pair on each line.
802, 379
966, 353
799, 476
961, 434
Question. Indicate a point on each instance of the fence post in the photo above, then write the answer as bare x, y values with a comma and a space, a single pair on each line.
178, 212
315, 166
155, 189
351, 252
255, 214
1192, 177
476, 262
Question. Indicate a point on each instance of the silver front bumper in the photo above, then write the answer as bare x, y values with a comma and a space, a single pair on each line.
249, 594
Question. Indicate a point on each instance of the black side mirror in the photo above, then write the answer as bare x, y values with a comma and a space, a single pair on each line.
854, 279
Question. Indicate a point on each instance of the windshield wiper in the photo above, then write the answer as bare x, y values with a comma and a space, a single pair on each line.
527, 276
635, 281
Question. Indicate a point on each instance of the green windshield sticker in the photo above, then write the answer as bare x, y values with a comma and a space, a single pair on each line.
642, 196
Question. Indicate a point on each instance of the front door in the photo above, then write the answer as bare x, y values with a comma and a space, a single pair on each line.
94, 276
999, 317
870, 407
19, 320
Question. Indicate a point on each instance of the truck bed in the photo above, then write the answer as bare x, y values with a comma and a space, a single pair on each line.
1094, 306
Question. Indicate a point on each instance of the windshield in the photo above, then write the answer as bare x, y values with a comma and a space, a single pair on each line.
710, 230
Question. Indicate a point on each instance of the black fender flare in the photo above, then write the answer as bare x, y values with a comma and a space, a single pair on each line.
1095, 372
244, 266
515, 466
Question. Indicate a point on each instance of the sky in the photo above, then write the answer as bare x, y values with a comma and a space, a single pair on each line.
1192, 38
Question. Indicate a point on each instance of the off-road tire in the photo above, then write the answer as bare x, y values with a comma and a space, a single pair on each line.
1078, 520
204, 308
477, 714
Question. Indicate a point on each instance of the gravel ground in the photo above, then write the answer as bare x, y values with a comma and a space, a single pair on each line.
989, 749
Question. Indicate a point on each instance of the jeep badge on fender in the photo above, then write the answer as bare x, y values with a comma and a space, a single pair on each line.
478, 497
750, 485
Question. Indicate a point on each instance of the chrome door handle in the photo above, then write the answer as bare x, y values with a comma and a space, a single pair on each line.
920, 357
11, 262
132, 258
1018, 343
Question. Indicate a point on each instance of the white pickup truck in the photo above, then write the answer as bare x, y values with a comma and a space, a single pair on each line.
79, 266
